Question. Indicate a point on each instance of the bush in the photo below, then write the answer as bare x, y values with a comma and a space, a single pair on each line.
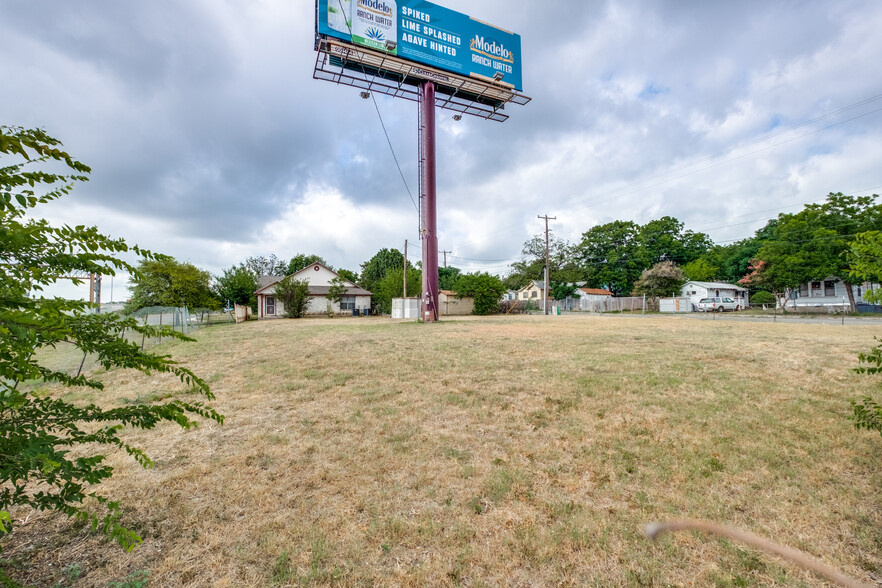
486, 290
868, 413
294, 295
762, 297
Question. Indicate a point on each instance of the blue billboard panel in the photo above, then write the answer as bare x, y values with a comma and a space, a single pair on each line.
425, 33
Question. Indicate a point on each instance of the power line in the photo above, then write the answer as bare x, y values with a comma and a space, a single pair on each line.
392, 149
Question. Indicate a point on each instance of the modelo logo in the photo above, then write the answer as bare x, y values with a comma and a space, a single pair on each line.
376, 5
491, 49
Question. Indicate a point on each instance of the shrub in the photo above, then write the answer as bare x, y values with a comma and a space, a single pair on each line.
762, 297
294, 295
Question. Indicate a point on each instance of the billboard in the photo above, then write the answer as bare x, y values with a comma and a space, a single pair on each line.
424, 33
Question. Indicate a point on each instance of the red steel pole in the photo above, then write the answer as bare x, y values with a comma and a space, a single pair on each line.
430, 216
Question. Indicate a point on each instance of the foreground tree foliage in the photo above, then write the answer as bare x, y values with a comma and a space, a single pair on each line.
37, 430
865, 259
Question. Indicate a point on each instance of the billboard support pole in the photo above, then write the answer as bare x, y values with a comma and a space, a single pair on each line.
429, 234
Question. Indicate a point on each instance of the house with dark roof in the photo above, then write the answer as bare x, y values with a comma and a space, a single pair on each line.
319, 279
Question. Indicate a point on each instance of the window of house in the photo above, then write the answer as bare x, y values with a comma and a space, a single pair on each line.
859, 291
347, 303
270, 305
525, 294
829, 288
803, 290
816, 288
534, 294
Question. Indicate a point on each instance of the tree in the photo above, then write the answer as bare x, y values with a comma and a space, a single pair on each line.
266, 266
700, 270
302, 260
163, 281
337, 290
294, 295
447, 277
39, 430
813, 244
348, 275
373, 270
665, 240
562, 290
865, 261
562, 266
236, 286
759, 277
663, 279
486, 290
391, 286
611, 257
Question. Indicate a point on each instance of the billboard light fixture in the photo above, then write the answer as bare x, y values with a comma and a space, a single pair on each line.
364, 94
390, 45
457, 117
498, 76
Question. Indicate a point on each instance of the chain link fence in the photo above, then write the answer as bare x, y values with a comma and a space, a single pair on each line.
69, 359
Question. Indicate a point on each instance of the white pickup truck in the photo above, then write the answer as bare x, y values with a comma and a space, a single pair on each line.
717, 304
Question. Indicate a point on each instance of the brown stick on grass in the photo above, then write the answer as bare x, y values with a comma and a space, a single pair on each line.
653, 530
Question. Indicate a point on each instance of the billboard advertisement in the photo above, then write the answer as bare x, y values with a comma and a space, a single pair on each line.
424, 33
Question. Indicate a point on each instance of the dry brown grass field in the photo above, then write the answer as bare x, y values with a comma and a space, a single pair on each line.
524, 451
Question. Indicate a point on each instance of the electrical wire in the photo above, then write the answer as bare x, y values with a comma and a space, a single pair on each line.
392, 149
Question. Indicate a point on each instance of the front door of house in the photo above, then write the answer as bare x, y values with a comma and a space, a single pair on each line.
270, 306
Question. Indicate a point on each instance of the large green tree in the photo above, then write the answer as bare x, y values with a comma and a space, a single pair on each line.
561, 262
374, 269
164, 281
302, 260
611, 256
236, 286
53, 447
392, 285
665, 239
485, 289
813, 244
263, 265
447, 277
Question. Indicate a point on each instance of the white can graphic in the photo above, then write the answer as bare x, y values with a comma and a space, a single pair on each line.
340, 15
374, 23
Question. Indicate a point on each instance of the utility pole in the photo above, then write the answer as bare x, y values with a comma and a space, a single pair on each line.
404, 273
444, 253
545, 294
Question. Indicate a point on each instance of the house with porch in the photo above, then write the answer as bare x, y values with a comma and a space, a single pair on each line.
829, 292
319, 279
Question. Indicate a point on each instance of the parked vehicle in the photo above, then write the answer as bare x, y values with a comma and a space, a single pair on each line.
717, 304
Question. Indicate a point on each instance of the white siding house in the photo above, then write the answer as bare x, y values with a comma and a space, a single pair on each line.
695, 291
829, 292
319, 279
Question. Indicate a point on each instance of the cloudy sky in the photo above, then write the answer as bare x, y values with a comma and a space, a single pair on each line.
209, 139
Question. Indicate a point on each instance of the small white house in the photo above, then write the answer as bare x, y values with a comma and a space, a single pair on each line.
695, 291
319, 279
